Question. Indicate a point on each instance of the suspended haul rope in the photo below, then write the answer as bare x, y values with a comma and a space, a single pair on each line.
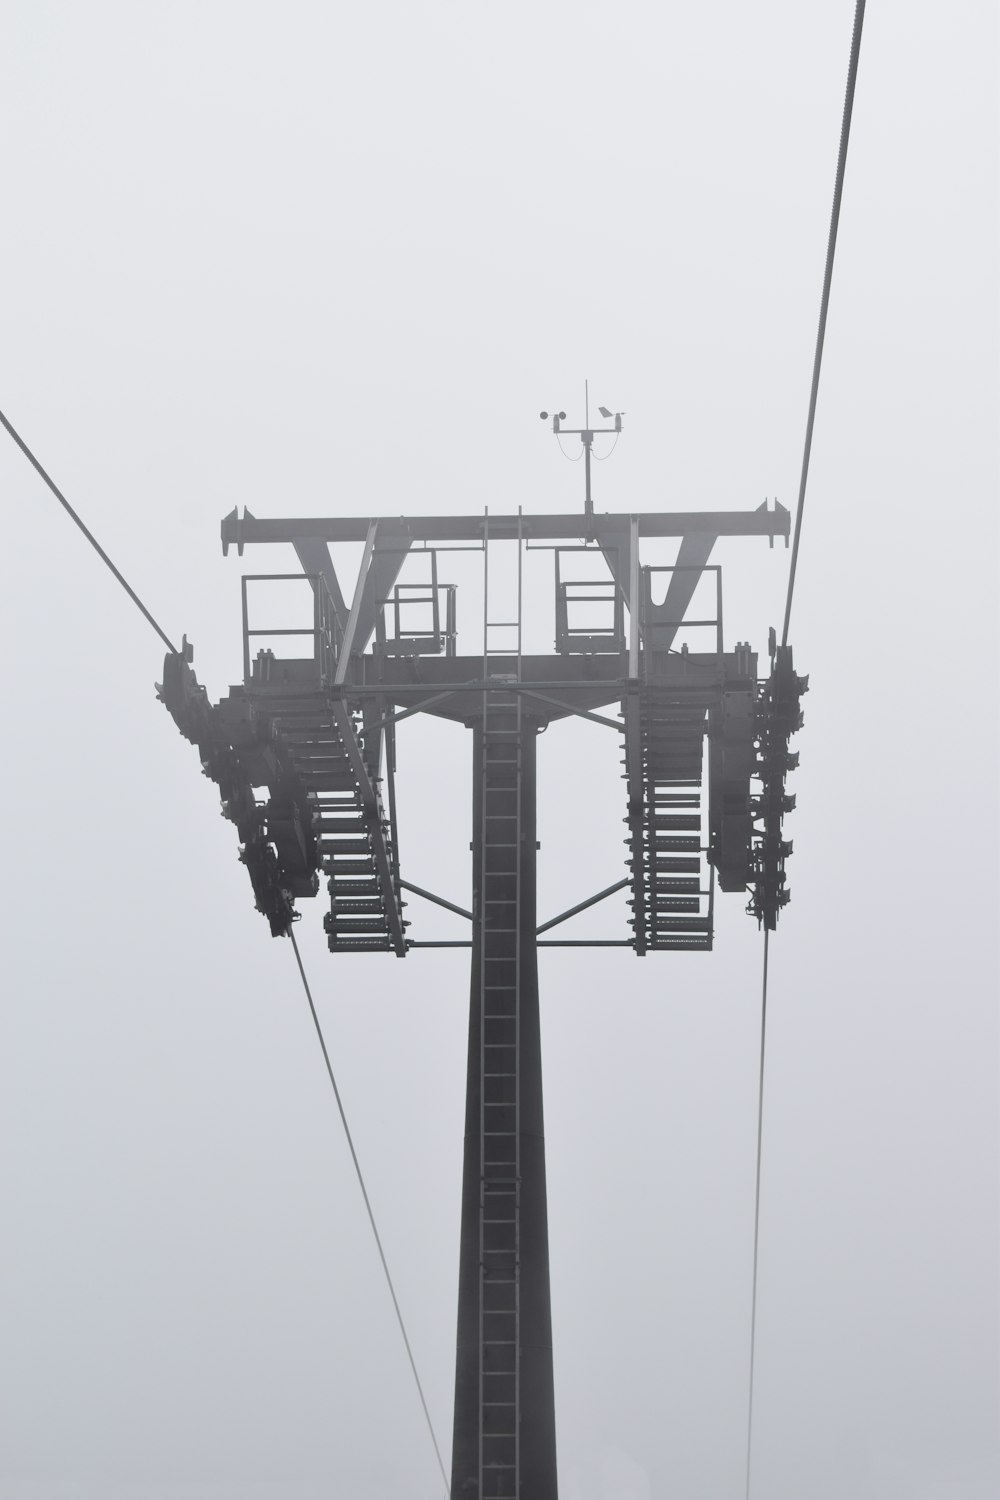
91, 538
368, 1206
326, 1056
824, 307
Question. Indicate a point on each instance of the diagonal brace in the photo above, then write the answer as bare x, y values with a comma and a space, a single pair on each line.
581, 713
590, 901
438, 900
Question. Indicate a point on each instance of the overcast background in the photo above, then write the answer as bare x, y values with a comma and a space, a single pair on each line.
334, 259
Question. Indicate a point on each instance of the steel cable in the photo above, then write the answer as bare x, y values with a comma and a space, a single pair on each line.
831, 249
298, 959
91, 538
368, 1208
824, 306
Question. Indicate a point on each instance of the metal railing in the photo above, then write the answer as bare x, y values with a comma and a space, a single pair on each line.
649, 610
571, 593
409, 596
323, 631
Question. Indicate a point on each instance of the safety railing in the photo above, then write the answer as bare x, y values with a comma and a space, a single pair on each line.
433, 634
592, 599
324, 630
669, 622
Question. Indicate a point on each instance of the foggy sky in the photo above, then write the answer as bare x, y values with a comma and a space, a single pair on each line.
334, 260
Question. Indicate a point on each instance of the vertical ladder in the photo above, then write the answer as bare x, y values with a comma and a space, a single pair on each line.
500, 950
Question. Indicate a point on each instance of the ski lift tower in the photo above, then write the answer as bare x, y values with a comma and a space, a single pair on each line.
304, 754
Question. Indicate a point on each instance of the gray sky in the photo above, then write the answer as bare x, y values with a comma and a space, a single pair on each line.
334, 260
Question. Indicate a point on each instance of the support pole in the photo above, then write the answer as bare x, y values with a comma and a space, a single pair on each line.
476, 1350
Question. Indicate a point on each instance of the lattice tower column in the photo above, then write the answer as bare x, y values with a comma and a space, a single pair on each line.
504, 1437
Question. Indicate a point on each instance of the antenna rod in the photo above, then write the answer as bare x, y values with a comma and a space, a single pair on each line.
588, 441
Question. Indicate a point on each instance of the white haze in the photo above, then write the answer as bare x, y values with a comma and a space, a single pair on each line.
335, 259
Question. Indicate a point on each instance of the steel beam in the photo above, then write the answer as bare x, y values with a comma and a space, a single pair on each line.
571, 708
417, 890
452, 687
573, 911
351, 629
606, 529
392, 543
316, 561
664, 620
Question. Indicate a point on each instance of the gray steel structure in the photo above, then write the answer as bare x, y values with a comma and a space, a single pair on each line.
318, 731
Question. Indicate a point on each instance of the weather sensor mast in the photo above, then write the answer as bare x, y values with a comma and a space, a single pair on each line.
303, 752
586, 434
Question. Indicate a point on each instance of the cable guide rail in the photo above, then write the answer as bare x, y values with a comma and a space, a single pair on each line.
704, 763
